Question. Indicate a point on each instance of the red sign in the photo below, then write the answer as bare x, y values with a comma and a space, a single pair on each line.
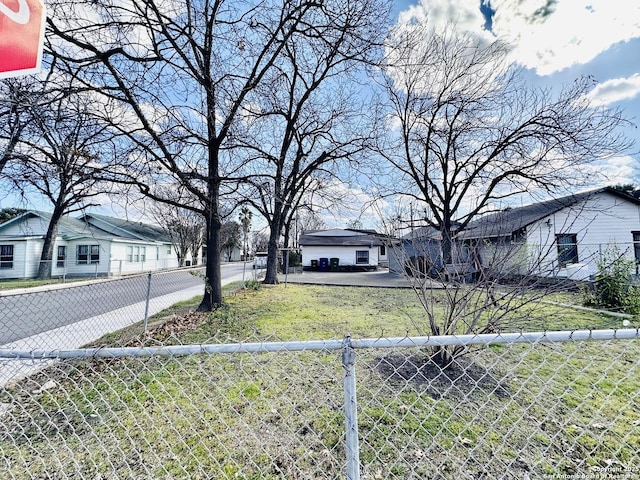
21, 36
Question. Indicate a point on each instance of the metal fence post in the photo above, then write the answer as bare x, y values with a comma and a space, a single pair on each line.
351, 411
146, 306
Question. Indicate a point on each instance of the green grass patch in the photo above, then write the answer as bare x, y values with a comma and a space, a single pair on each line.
505, 411
29, 283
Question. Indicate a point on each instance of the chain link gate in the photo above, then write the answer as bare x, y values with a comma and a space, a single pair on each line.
525, 405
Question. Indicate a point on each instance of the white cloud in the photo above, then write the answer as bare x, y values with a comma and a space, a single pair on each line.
547, 35
466, 15
553, 35
355, 205
616, 89
617, 170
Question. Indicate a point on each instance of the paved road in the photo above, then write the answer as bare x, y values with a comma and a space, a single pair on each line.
165, 292
33, 312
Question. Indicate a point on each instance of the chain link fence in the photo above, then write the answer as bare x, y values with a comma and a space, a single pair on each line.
75, 314
522, 405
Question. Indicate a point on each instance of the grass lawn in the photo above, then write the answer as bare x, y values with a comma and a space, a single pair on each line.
29, 283
504, 411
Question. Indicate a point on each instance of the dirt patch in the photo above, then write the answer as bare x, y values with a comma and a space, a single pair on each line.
460, 380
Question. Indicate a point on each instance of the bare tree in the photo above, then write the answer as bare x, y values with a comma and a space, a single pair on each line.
465, 134
184, 227
301, 219
11, 119
231, 239
312, 118
59, 154
176, 79
259, 242
468, 132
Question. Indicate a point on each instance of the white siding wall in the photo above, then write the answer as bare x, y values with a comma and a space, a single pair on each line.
156, 257
18, 270
73, 268
30, 226
346, 255
32, 253
599, 222
168, 258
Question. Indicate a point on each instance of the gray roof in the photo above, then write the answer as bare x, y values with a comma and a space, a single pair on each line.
66, 225
110, 227
127, 228
511, 220
369, 238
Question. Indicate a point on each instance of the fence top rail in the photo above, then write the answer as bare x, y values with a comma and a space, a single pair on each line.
316, 345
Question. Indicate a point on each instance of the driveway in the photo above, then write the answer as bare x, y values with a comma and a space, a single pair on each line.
378, 278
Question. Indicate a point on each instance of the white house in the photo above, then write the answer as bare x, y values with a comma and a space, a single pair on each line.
91, 246
564, 237
342, 249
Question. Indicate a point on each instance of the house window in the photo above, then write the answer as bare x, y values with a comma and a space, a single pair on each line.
362, 257
88, 254
636, 246
6, 256
136, 254
95, 253
567, 249
383, 250
62, 256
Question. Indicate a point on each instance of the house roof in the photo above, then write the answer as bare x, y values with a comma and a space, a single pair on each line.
66, 225
423, 233
340, 237
510, 220
96, 226
126, 228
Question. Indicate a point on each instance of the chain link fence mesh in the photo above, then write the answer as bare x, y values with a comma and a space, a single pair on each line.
504, 409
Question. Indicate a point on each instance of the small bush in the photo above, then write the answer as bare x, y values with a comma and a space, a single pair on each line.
612, 286
252, 284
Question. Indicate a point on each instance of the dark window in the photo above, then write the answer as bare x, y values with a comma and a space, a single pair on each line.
95, 253
62, 256
88, 254
362, 257
82, 256
383, 250
636, 246
6, 256
567, 249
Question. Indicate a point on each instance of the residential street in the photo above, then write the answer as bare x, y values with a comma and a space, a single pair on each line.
36, 310
105, 306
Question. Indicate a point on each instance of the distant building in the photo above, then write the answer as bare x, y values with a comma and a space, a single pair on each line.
342, 249
93, 245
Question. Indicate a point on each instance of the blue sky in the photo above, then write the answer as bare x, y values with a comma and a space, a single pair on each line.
558, 41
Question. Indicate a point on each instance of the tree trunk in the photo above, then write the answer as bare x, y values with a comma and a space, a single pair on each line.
442, 357
213, 298
446, 245
46, 257
271, 275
